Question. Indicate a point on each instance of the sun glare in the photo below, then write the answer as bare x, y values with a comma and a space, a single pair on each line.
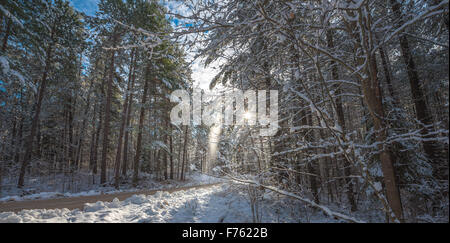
247, 115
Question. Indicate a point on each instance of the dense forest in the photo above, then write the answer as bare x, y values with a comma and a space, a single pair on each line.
363, 95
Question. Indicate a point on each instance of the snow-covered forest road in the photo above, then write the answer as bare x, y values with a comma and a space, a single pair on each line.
79, 202
225, 202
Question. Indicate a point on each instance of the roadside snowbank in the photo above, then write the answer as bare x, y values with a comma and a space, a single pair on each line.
220, 203
150, 184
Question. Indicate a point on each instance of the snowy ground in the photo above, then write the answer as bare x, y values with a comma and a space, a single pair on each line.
67, 187
227, 202
214, 204
221, 203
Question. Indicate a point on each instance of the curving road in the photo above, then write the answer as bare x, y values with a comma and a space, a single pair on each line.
78, 202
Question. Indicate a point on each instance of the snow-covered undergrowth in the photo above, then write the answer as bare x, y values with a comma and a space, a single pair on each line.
67, 187
221, 203
227, 202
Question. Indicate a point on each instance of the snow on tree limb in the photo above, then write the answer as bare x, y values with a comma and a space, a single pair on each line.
432, 11
11, 16
326, 210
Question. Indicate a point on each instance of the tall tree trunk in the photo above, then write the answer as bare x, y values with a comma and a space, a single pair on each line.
99, 125
422, 112
13, 138
119, 145
127, 135
82, 132
37, 112
18, 146
388, 75
122, 127
373, 98
93, 136
184, 153
84, 123
165, 165
341, 121
311, 167
171, 151
165, 157
141, 127
158, 167
97, 141
128, 118
65, 136
70, 108
107, 113
179, 156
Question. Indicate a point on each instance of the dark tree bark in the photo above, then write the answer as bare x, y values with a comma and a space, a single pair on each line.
373, 99
141, 127
107, 113
97, 141
341, 121
422, 112
165, 164
83, 125
165, 157
122, 127
128, 118
127, 134
184, 153
99, 125
311, 168
71, 157
171, 152
37, 112
388, 76
179, 156
93, 139
18, 142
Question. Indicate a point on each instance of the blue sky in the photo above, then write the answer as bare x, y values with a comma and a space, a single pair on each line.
89, 7
201, 75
